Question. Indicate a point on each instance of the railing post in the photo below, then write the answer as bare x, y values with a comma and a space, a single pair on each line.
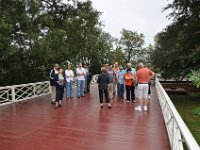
34, 89
13, 93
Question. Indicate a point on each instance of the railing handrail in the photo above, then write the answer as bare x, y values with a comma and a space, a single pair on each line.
185, 132
19, 85
16, 93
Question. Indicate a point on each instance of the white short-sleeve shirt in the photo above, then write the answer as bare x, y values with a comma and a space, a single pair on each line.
69, 75
80, 72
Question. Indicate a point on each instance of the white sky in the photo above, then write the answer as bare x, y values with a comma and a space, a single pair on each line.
143, 16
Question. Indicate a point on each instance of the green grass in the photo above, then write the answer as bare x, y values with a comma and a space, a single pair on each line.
189, 108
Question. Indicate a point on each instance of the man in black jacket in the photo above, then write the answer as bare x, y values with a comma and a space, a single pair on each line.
53, 83
103, 81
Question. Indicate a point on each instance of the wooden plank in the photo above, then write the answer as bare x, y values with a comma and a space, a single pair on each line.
81, 125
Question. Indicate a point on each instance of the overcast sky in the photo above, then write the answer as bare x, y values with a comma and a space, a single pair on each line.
143, 16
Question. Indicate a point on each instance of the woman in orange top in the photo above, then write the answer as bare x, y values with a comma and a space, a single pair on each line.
129, 81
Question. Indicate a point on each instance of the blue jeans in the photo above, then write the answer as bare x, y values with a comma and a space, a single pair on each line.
80, 87
69, 89
121, 90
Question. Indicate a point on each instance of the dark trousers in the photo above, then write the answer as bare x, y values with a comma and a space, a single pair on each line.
59, 93
130, 91
88, 85
149, 91
101, 95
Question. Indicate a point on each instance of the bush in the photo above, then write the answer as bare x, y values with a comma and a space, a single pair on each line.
195, 78
197, 111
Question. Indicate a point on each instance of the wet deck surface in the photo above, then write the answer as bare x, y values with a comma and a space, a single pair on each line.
82, 125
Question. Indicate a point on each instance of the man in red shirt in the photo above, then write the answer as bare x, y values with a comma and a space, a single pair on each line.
143, 76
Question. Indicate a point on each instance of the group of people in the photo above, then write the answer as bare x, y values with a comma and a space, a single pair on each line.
60, 79
135, 82
131, 84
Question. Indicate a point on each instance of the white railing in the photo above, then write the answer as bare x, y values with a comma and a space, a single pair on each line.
179, 135
15, 93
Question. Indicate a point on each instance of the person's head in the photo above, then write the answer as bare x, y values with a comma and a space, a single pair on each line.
120, 67
128, 70
85, 66
106, 66
129, 65
103, 70
110, 66
80, 65
69, 66
60, 70
116, 64
56, 66
141, 65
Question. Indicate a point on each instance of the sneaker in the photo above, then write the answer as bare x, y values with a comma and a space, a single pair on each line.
149, 97
134, 101
109, 106
127, 101
138, 108
145, 108
101, 105
52, 102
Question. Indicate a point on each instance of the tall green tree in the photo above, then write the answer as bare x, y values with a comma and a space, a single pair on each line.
177, 48
132, 43
34, 34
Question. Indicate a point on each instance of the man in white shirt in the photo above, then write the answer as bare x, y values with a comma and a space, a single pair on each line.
69, 75
80, 72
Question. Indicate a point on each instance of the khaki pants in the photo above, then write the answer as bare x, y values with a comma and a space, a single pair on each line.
53, 93
110, 90
114, 87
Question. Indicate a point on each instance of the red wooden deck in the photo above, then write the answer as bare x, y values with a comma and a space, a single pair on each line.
81, 125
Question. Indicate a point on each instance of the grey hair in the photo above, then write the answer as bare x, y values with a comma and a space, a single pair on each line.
141, 64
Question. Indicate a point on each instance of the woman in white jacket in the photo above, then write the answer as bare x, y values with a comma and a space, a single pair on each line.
69, 75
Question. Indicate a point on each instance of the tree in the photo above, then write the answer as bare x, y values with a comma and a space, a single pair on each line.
132, 43
177, 48
37, 33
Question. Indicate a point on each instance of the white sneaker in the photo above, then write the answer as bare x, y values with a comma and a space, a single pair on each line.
138, 108
149, 97
145, 108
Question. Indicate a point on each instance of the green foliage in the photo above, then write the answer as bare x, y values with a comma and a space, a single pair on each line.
186, 105
34, 34
177, 48
195, 78
132, 43
197, 111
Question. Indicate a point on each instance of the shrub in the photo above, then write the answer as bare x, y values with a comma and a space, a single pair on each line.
195, 78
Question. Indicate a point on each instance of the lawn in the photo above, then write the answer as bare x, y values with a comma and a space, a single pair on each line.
189, 108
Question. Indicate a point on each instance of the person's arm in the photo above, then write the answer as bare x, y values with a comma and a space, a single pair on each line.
56, 79
108, 80
151, 74
136, 79
98, 79
84, 72
52, 74
78, 72
66, 74
72, 73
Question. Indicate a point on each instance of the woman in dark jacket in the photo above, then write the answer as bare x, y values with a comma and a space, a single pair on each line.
103, 81
60, 84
